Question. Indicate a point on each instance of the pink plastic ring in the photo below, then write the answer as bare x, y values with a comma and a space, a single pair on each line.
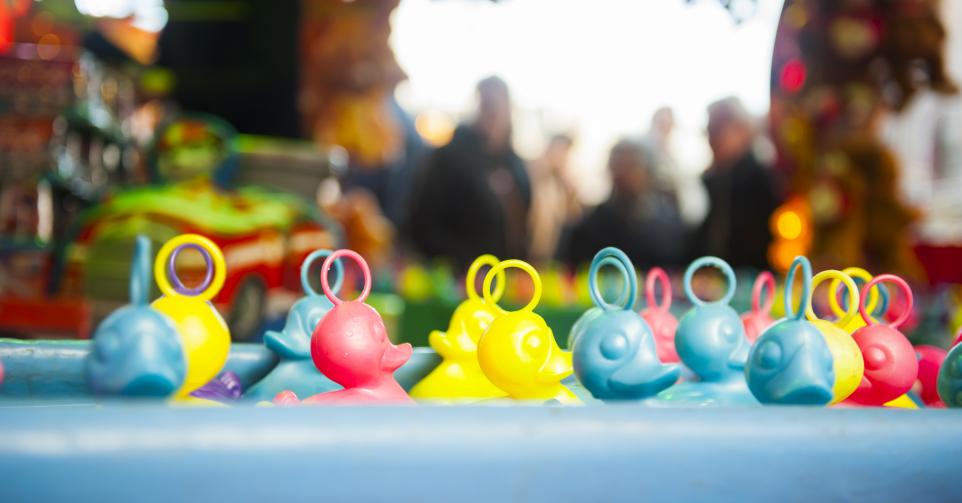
903, 286
764, 279
658, 275
326, 267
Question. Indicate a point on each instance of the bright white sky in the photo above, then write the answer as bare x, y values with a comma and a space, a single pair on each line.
597, 67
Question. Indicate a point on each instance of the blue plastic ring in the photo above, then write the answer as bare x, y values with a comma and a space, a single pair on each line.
617, 258
800, 261
718, 264
306, 271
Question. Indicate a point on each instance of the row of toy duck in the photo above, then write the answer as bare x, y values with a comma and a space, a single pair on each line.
173, 347
618, 354
177, 345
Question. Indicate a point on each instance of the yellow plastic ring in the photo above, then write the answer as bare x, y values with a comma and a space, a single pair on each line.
854, 273
499, 269
217, 257
469, 280
837, 277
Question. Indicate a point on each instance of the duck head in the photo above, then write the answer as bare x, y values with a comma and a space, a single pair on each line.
710, 339
294, 341
518, 353
711, 342
790, 364
351, 347
615, 358
136, 350
470, 320
891, 366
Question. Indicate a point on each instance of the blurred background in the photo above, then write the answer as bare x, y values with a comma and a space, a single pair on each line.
423, 133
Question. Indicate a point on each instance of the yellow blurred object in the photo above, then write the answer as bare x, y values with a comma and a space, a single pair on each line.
435, 127
791, 226
459, 376
518, 352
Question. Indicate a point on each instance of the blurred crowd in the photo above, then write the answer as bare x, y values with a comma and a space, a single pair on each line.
476, 195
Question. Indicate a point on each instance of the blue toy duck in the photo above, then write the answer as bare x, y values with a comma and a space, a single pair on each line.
136, 350
790, 363
711, 342
296, 371
614, 353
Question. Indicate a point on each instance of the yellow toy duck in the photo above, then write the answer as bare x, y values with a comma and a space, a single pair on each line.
203, 333
518, 352
459, 376
848, 365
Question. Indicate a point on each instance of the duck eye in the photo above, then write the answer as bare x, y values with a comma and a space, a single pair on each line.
769, 355
875, 358
614, 346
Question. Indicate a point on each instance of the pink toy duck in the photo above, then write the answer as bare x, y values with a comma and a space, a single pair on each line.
663, 324
891, 364
759, 319
350, 346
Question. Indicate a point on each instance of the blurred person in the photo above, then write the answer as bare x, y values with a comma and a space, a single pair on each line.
670, 175
741, 190
554, 203
473, 194
637, 217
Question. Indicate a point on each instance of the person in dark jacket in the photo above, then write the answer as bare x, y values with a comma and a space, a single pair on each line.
473, 194
637, 217
741, 191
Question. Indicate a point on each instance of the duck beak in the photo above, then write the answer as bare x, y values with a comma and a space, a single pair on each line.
441, 343
287, 346
804, 382
395, 356
641, 381
556, 367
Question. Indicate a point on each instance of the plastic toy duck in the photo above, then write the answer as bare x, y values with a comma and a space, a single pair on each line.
930, 361
758, 319
711, 342
203, 334
614, 356
296, 370
950, 375
658, 316
136, 350
351, 347
790, 363
891, 366
459, 376
518, 352
848, 364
